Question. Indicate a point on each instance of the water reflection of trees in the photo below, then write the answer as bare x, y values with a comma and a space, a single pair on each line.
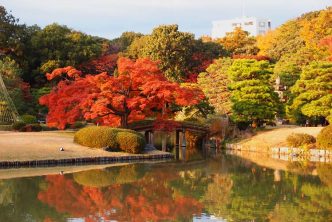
230, 188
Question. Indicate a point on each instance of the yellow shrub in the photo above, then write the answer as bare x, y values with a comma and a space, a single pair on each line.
111, 138
130, 142
95, 178
324, 138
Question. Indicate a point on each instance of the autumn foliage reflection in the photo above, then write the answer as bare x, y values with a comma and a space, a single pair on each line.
148, 199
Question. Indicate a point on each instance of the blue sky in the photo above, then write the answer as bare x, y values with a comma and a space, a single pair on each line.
109, 18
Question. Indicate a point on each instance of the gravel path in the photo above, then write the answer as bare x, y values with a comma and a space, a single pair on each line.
16, 146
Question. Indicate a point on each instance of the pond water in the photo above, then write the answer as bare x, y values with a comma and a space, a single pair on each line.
227, 188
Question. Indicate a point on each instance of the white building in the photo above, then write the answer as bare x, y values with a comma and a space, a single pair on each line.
252, 25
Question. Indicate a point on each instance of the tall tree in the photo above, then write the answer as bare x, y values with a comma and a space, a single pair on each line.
313, 91
57, 46
169, 46
214, 83
239, 42
124, 41
9, 33
254, 100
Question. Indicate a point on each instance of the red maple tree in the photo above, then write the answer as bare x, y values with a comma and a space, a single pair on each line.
106, 63
138, 90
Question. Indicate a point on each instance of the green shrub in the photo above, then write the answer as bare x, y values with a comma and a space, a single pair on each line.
110, 138
31, 128
78, 125
324, 138
29, 119
18, 125
300, 139
46, 128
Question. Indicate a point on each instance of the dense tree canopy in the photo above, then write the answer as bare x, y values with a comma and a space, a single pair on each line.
253, 98
239, 42
313, 91
214, 83
169, 46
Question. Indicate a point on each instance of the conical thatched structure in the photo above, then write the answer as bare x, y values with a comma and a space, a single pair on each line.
8, 112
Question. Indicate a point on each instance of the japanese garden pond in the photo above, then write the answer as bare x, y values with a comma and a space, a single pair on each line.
224, 188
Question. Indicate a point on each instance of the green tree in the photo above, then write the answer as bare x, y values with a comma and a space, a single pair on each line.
253, 98
9, 33
121, 43
57, 46
312, 91
172, 48
214, 83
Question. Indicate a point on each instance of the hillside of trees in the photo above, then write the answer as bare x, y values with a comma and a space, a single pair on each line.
236, 73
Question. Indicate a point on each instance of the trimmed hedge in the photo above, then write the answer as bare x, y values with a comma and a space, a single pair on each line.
23, 127
110, 138
324, 138
300, 139
18, 125
31, 128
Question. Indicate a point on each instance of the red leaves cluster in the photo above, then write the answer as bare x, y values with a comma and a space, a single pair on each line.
106, 63
139, 90
70, 71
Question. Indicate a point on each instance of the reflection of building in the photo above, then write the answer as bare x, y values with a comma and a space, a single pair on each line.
252, 25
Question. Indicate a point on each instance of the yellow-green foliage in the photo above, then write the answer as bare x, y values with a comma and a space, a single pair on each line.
300, 139
29, 119
95, 178
130, 142
111, 138
324, 138
106, 177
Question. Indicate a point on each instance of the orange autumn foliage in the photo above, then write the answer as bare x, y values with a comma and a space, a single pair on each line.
327, 42
106, 63
139, 90
139, 201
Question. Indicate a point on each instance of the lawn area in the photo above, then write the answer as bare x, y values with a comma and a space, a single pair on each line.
276, 137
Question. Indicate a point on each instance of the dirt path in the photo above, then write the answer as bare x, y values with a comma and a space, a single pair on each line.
15, 146
276, 137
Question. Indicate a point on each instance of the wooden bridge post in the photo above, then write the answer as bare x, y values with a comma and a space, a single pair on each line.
183, 144
164, 141
149, 137
177, 144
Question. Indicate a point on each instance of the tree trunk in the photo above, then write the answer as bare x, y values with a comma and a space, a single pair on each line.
124, 121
